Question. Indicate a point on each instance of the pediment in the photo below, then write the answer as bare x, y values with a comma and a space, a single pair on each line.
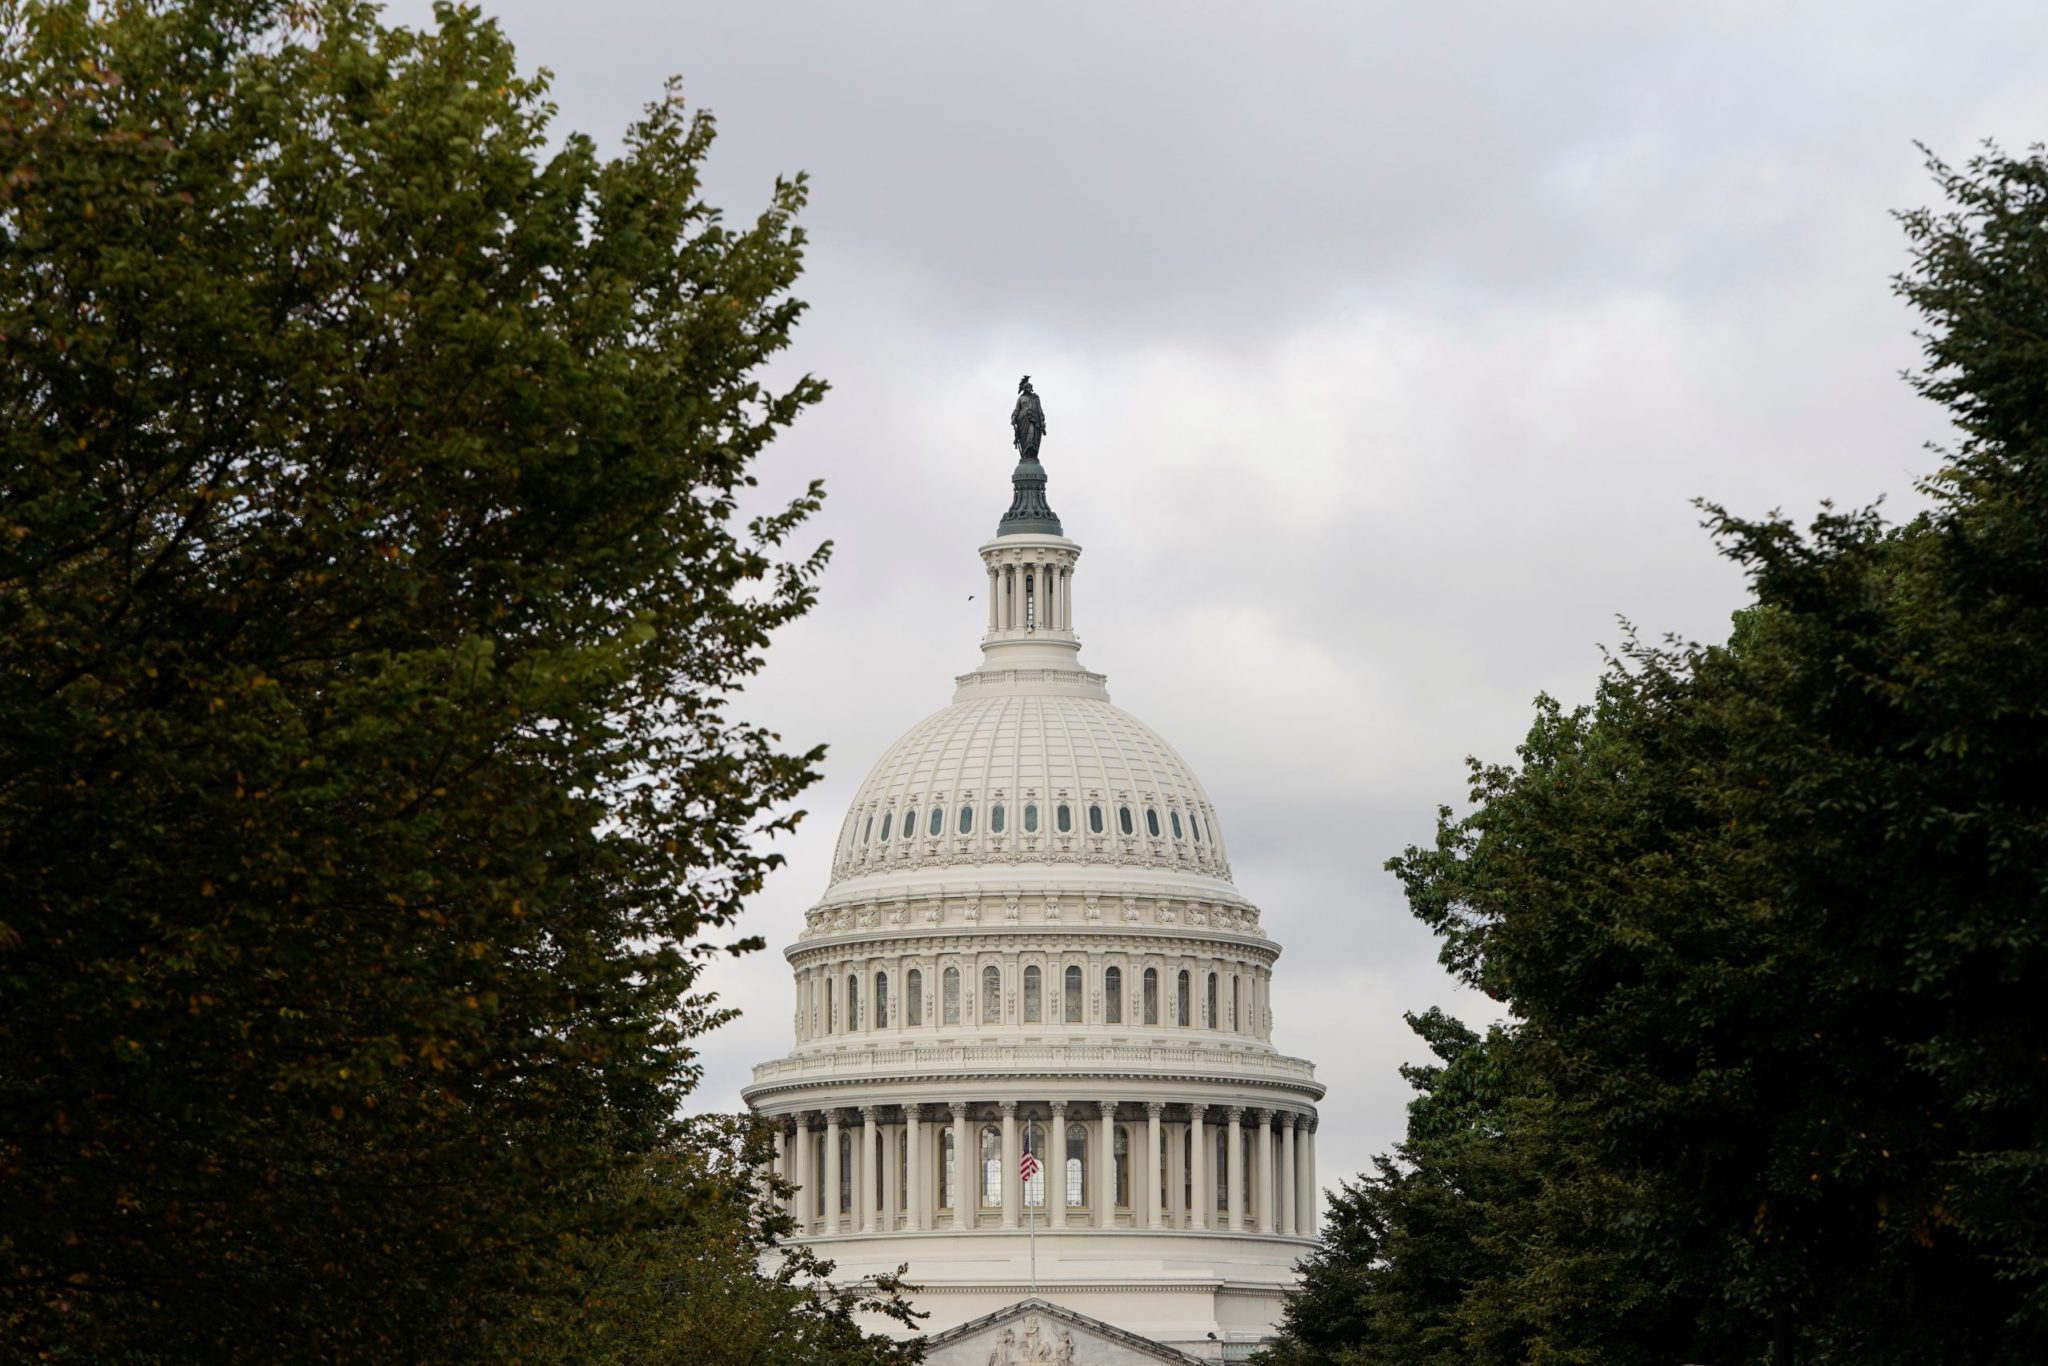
1036, 1332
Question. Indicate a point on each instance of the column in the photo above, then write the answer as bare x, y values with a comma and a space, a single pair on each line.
803, 1200
833, 1175
963, 1199
1312, 1198
864, 1192
913, 1134
991, 597
1055, 1159
1265, 1171
1234, 1156
1013, 1184
893, 1158
1105, 1168
1155, 1214
1201, 1188
1290, 1197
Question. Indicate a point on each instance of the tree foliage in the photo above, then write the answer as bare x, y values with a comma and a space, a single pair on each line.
1771, 917
373, 589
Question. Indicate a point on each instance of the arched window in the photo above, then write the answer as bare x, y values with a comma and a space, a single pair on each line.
991, 1167
1034, 1143
1182, 1003
995, 819
868, 829
1113, 995
1123, 819
1215, 1020
966, 820
1033, 1006
1073, 995
1031, 818
1152, 822
1077, 1166
1174, 816
913, 997
1123, 1165
887, 816
991, 995
1094, 820
881, 1000
949, 984
1151, 996
938, 825
1066, 818
852, 1003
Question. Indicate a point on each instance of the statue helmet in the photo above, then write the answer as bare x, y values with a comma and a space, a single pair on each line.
1023, 384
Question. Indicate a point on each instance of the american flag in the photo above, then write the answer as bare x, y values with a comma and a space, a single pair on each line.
1028, 1166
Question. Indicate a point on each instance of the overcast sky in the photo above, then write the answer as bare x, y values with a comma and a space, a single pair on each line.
1383, 350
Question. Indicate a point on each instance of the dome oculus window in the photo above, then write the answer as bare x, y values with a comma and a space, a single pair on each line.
1065, 818
966, 820
885, 828
1123, 820
995, 819
867, 831
1174, 817
938, 825
1152, 822
1031, 818
1094, 820
910, 823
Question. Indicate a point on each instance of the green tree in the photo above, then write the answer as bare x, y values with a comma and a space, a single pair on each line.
373, 591
1772, 922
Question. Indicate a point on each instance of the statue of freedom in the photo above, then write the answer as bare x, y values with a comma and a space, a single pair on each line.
1027, 420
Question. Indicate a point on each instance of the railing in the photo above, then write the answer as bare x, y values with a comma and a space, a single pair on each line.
857, 1062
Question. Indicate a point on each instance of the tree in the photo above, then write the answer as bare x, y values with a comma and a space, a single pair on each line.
373, 592
1770, 914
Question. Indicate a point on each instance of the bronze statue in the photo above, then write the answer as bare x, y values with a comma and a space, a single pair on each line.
1027, 420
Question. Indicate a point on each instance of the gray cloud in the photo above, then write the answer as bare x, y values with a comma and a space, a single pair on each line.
1384, 348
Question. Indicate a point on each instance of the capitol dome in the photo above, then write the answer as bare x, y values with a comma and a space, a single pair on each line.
1030, 944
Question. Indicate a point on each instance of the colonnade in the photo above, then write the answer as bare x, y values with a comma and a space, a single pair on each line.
1030, 596
1146, 1165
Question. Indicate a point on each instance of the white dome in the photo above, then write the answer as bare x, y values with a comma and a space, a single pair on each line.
1024, 777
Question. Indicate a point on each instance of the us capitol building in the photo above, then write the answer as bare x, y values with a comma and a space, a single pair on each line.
1031, 943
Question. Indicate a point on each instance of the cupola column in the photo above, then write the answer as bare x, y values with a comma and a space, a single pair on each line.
1105, 1168
963, 1197
1233, 1155
1265, 1171
1054, 1159
1201, 1189
1290, 1198
833, 1176
913, 1161
1012, 1180
866, 1168
1155, 1214
803, 1200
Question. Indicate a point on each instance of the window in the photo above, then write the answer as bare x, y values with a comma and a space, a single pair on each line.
1208, 831
1174, 816
995, 819
1073, 994
1233, 1002
1123, 1164
1066, 818
1182, 1005
910, 823
913, 998
881, 1161
1113, 995
881, 1000
868, 830
1222, 1168
938, 825
846, 1171
852, 1003
1123, 819
1152, 996
1077, 1166
1152, 822
886, 817
1215, 1020
991, 995
1195, 826
903, 1171
950, 985
1033, 1012
1031, 818
949, 1170
991, 1167
1094, 820
1034, 1143
967, 820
